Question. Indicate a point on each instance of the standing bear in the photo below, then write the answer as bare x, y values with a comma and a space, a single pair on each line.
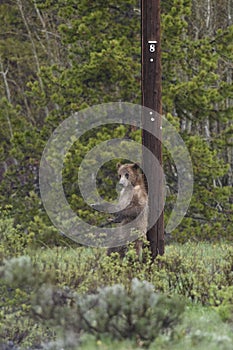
133, 197
131, 207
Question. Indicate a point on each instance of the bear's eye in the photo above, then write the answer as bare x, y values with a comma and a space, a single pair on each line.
119, 176
127, 175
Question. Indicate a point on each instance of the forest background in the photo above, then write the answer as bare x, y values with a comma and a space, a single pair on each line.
59, 57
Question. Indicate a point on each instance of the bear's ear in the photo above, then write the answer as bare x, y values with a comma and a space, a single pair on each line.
118, 165
136, 166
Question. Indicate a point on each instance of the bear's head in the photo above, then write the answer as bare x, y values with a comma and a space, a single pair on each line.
129, 174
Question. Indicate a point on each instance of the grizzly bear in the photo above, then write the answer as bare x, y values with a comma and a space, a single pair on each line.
132, 204
133, 196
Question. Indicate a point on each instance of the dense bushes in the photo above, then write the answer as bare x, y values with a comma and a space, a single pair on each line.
138, 314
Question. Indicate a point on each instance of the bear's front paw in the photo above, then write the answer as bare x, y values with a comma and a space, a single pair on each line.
97, 206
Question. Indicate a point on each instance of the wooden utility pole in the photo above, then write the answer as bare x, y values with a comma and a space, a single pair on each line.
151, 98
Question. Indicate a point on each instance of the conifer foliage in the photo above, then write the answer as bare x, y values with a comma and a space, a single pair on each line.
57, 57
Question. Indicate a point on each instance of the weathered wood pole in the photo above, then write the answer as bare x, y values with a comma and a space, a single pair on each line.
151, 98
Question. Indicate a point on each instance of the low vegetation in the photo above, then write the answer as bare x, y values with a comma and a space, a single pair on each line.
77, 297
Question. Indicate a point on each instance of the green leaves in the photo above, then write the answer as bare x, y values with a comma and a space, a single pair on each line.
79, 54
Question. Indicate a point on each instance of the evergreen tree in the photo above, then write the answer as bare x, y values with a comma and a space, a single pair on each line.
59, 57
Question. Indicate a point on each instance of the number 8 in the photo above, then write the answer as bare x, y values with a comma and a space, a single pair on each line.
152, 47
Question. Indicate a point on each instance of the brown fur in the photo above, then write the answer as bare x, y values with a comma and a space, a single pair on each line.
135, 196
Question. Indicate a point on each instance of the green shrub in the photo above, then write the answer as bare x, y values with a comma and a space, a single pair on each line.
18, 271
225, 299
139, 313
13, 239
19, 280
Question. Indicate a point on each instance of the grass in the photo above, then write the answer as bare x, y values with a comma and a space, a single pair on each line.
198, 272
202, 328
